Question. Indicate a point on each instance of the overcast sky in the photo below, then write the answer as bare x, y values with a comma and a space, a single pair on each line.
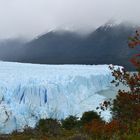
29, 18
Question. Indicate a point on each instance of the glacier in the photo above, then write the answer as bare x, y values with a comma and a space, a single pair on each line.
29, 92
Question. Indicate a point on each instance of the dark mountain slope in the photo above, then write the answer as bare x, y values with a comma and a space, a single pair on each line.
53, 48
107, 44
11, 49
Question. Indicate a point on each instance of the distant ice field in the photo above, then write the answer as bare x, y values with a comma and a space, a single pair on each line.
29, 92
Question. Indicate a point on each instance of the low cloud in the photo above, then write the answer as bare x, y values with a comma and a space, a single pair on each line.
29, 18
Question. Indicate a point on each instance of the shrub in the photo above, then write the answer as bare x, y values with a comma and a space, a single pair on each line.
49, 126
104, 131
88, 117
70, 122
94, 127
126, 107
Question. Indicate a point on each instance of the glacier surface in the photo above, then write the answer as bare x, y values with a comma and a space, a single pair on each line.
29, 92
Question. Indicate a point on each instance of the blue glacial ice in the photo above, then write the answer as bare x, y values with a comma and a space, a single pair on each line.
29, 92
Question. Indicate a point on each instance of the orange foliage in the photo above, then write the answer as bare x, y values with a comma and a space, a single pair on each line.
107, 130
133, 42
112, 127
95, 127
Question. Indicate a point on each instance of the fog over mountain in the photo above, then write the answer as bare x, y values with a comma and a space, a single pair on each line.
105, 45
29, 18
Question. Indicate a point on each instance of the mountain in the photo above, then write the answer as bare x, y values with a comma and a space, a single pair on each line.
107, 44
11, 49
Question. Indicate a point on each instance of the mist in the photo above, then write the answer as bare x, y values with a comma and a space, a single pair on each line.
29, 18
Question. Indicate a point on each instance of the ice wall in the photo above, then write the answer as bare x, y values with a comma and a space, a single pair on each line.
29, 92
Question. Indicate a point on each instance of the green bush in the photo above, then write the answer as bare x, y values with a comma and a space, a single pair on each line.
49, 126
89, 116
70, 122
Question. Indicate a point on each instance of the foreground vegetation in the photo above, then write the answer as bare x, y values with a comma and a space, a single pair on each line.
125, 109
89, 127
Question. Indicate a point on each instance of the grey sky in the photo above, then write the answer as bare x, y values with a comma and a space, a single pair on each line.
32, 17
